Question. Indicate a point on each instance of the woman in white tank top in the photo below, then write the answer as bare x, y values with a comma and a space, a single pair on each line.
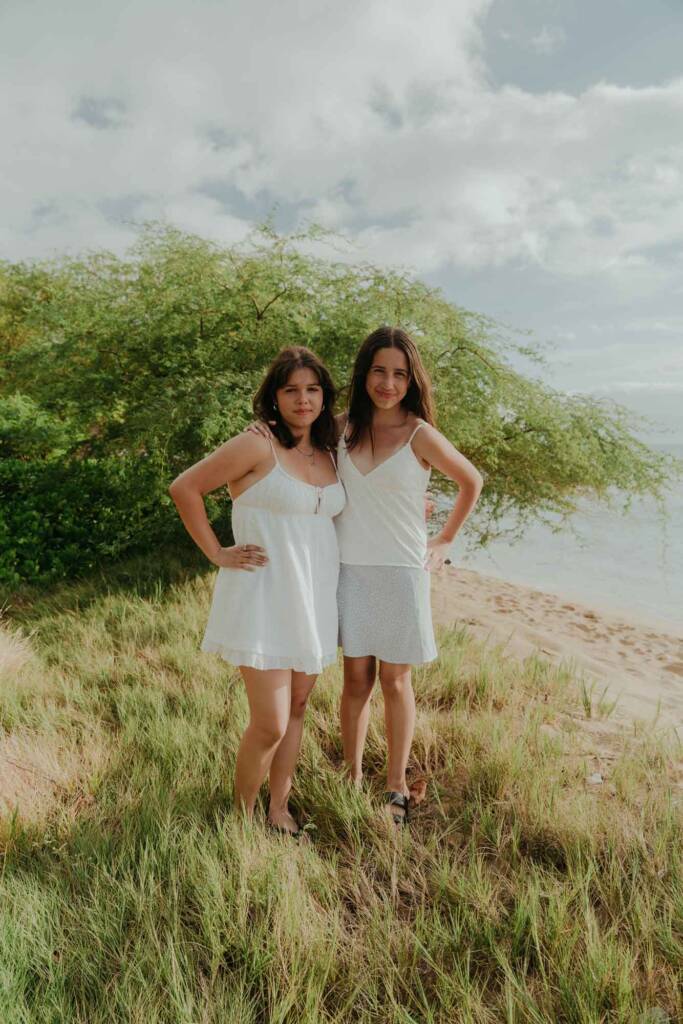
387, 448
274, 609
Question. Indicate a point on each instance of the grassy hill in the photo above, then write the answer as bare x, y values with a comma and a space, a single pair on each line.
130, 892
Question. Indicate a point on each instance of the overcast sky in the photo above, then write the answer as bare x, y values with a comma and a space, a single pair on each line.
526, 156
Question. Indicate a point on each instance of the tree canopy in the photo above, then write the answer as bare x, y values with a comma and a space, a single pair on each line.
156, 355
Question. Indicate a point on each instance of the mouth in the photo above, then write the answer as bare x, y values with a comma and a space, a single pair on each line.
384, 394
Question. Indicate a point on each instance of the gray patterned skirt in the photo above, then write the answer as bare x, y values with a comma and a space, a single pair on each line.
385, 610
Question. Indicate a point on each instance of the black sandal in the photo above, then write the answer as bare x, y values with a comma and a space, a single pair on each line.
284, 831
396, 799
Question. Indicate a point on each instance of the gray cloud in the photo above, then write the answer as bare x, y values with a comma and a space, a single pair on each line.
386, 108
103, 113
220, 138
122, 208
604, 226
256, 208
669, 251
44, 211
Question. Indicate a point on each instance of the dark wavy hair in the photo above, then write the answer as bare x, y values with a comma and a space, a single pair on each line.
418, 398
280, 370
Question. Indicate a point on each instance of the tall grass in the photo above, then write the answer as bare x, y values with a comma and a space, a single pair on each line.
130, 892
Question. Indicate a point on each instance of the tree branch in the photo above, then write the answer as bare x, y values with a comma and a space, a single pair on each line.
469, 351
274, 299
505, 437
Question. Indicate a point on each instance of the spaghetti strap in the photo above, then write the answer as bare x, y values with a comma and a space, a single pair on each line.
336, 471
420, 424
272, 448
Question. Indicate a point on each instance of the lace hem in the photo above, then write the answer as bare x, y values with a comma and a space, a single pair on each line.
310, 664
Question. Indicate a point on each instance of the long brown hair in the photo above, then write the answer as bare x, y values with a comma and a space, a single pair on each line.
280, 370
418, 398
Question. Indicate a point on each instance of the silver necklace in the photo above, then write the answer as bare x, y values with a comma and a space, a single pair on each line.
306, 455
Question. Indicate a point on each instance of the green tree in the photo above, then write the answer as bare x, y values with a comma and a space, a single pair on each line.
156, 356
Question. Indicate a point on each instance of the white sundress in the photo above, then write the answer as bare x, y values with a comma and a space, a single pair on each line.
282, 615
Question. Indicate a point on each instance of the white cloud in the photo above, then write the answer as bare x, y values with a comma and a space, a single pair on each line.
290, 87
375, 118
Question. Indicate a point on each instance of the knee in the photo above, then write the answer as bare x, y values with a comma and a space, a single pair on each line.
394, 684
358, 684
299, 703
268, 733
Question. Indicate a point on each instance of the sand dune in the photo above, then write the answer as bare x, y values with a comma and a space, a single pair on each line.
641, 665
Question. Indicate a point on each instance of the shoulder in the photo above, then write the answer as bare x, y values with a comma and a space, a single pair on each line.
422, 430
246, 445
421, 441
228, 462
427, 438
422, 427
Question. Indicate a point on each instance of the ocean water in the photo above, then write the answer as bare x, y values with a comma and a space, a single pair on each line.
630, 563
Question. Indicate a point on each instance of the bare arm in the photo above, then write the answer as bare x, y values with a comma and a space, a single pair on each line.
231, 462
438, 451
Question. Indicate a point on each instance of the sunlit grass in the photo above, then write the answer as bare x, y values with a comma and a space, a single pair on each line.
129, 891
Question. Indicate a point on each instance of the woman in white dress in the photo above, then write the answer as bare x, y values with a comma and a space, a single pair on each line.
388, 445
274, 609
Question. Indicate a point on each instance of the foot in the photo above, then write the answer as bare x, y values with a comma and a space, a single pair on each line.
396, 806
283, 820
354, 780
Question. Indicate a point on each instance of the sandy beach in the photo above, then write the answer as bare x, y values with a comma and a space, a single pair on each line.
641, 664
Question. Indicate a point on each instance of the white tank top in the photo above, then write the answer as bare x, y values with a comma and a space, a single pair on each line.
383, 521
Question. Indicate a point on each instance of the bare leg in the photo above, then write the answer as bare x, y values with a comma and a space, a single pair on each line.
399, 716
269, 695
359, 679
282, 766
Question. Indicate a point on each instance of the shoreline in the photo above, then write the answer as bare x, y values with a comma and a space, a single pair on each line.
639, 661
639, 616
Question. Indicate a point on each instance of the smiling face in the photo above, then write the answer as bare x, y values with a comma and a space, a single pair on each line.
300, 400
388, 378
